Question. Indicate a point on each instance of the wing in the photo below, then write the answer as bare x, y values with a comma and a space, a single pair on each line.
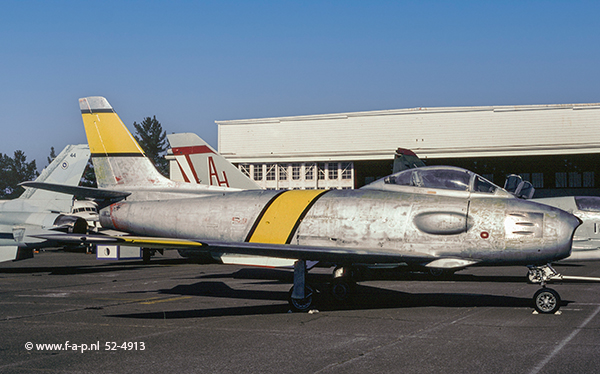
328, 254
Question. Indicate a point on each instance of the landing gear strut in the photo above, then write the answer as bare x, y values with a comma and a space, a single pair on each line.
545, 300
300, 295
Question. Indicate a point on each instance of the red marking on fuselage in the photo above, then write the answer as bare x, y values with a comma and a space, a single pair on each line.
212, 172
115, 206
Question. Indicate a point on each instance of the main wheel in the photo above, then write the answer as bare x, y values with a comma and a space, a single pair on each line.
301, 305
340, 290
546, 301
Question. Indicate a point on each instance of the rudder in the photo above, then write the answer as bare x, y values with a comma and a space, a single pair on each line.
118, 158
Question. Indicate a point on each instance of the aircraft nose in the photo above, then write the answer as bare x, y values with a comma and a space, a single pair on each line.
564, 224
549, 230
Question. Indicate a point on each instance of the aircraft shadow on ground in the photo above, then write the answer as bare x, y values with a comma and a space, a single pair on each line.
364, 298
286, 276
102, 266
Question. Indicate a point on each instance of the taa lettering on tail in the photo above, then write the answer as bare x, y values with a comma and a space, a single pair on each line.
212, 172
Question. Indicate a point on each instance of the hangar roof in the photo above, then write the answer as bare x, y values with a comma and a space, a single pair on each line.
443, 132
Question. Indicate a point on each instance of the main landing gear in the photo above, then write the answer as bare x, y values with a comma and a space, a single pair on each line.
302, 296
545, 300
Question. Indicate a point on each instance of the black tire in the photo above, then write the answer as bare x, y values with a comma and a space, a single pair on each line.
301, 305
546, 301
146, 255
341, 290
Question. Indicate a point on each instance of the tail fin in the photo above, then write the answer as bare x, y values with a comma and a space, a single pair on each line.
66, 169
197, 162
118, 158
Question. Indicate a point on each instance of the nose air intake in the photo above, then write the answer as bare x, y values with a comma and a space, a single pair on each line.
568, 223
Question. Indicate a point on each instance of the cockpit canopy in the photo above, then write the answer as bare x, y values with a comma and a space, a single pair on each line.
437, 177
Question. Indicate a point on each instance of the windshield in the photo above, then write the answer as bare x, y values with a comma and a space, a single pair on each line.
441, 178
482, 185
448, 179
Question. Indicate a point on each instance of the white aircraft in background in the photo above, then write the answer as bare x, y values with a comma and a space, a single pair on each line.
37, 211
586, 242
198, 163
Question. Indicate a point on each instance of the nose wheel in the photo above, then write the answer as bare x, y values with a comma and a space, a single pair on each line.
546, 301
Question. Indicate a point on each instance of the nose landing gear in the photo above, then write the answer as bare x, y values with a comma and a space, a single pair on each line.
545, 300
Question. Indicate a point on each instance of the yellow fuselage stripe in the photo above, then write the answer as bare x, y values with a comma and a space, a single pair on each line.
106, 134
281, 217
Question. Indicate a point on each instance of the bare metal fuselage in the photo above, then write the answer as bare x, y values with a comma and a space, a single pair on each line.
478, 228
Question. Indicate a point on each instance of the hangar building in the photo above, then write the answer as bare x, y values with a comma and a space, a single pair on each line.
556, 147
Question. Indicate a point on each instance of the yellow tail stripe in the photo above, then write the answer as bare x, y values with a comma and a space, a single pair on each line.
281, 217
106, 134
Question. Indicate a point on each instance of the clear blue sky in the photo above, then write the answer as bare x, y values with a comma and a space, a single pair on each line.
193, 62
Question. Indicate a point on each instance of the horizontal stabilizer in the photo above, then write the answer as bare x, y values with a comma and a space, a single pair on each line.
89, 192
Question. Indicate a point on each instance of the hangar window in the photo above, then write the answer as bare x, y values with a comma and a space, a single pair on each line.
258, 172
295, 172
537, 180
560, 180
332, 168
309, 172
321, 170
346, 170
245, 168
574, 179
271, 172
283, 172
588, 179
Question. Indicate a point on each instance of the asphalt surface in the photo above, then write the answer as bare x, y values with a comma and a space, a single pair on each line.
175, 316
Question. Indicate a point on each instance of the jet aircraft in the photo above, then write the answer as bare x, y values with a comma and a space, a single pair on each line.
436, 217
37, 211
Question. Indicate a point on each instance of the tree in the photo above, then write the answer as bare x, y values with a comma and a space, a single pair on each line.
153, 140
88, 179
14, 171
52, 155
4, 172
